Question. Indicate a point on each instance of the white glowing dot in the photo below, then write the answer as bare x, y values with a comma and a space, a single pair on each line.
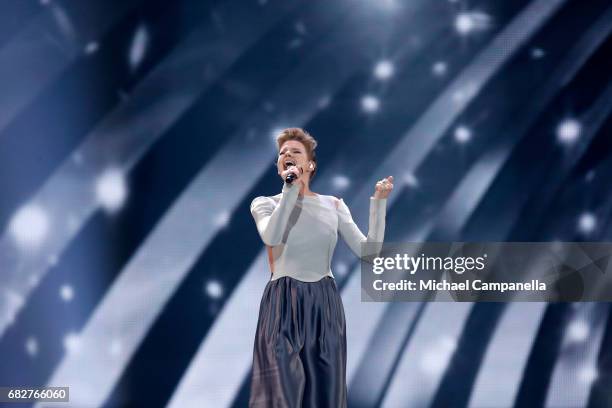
324, 102
300, 27
340, 182
464, 23
275, 132
587, 375
448, 344
385, 5
72, 343
388, 4
139, 45
13, 299
111, 190
66, 293
30, 226
568, 131
537, 53
115, 348
370, 103
268, 106
214, 289
384, 70
590, 175
9, 318
222, 219
578, 331
462, 134
91, 47
458, 96
557, 245
410, 180
72, 223
340, 269
467, 22
44, 2
31, 346
439, 68
33, 281
77, 158
469, 90
587, 222
435, 359
52, 260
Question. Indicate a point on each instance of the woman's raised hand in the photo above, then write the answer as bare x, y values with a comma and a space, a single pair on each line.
383, 187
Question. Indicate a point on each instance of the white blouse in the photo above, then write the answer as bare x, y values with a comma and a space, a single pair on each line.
301, 232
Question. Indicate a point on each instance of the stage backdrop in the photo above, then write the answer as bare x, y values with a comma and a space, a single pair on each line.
134, 135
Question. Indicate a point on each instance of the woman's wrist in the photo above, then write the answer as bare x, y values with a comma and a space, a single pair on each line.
289, 187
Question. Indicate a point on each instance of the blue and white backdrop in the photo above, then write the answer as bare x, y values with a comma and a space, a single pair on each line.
134, 135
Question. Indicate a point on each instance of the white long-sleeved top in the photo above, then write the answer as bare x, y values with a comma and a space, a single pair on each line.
301, 232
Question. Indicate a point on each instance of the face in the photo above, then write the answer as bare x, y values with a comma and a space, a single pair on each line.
293, 152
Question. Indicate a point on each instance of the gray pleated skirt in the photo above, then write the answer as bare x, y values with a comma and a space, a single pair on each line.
299, 357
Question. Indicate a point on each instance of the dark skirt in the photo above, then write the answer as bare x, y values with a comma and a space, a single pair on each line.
299, 357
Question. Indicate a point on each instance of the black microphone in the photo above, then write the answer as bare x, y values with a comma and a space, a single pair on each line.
290, 178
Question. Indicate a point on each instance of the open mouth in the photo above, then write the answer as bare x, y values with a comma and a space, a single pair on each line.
289, 163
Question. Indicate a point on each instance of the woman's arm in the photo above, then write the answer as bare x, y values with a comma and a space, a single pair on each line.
271, 219
351, 233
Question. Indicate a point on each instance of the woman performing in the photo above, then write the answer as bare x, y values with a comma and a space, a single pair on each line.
299, 357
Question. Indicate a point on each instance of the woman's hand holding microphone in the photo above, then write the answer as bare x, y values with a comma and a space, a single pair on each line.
297, 173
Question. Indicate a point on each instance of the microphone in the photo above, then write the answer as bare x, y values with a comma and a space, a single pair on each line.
290, 178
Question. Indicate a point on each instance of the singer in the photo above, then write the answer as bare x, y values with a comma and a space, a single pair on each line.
299, 357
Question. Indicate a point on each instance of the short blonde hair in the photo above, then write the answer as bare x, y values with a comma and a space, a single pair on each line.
303, 137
